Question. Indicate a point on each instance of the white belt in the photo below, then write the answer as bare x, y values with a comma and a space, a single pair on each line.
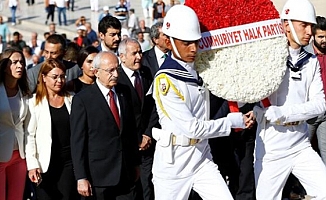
181, 140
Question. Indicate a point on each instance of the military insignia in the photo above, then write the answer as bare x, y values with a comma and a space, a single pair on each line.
163, 87
287, 11
168, 25
163, 84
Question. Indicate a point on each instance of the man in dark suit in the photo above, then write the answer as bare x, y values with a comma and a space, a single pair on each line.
139, 79
155, 57
104, 144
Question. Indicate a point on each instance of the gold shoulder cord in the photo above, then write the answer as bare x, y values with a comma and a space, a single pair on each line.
168, 85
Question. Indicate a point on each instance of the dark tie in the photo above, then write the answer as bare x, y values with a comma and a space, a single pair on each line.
165, 56
138, 86
114, 108
200, 81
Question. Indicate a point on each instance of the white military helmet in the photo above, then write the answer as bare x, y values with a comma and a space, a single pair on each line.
181, 22
301, 10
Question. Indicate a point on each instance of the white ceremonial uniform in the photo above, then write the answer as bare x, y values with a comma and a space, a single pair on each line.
284, 147
183, 109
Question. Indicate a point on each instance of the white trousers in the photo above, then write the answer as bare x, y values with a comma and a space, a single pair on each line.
207, 182
94, 5
306, 165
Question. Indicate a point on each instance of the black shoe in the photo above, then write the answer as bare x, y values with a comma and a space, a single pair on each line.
46, 22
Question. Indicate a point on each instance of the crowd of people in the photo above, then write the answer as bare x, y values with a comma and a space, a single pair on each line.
132, 27
107, 116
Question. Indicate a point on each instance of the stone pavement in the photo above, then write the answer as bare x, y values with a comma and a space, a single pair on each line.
32, 18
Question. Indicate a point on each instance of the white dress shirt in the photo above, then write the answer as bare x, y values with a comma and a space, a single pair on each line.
159, 56
105, 91
130, 74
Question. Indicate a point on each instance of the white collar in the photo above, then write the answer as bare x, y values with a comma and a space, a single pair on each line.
294, 54
190, 67
105, 91
128, 71
159, 54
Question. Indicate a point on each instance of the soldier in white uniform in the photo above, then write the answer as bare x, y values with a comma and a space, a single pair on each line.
182, 159
282, 144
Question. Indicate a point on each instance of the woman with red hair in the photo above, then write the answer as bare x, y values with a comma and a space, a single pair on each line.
48, 135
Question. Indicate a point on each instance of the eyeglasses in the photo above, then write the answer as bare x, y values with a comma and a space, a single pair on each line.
110, 71
56, 77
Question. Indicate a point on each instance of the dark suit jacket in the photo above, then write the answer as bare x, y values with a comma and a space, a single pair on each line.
149, 60
142, 107
99, 47
101, 152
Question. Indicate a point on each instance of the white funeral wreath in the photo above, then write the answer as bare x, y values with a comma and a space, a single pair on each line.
244, 73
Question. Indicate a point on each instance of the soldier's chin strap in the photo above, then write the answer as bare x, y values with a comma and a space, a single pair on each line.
174, 47
295, 36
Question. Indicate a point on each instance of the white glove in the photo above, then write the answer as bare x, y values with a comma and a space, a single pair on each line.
274, 115
236, 119
259, 113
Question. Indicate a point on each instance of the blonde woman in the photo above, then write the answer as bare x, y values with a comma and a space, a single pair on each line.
13, 115
48, 135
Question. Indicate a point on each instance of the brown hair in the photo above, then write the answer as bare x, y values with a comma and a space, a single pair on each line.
23, 81
47, 66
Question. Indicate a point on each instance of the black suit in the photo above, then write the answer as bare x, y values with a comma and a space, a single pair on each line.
143, 109
139, 105
149, 60
102, 153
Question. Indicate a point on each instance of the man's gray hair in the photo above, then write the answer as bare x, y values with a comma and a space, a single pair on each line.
155, 32
97, 59
123, 44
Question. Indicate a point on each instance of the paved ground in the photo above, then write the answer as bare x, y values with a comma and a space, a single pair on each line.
32, 18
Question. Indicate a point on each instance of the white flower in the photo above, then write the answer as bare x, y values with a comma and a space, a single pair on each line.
247, 72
